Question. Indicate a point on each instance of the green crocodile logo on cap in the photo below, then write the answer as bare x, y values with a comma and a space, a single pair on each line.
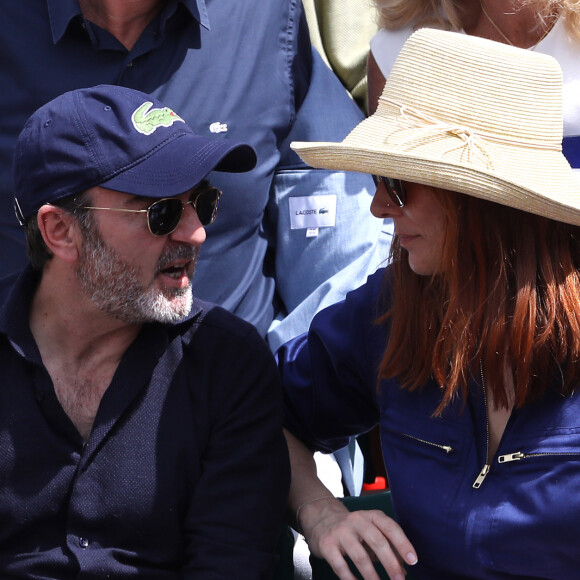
147, 120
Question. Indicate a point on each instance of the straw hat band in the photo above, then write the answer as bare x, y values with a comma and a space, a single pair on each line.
416, 126
471, 137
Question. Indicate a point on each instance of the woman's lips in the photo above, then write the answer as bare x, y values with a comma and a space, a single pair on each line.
406, 239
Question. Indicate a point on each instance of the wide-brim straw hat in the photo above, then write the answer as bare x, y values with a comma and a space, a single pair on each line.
470, 115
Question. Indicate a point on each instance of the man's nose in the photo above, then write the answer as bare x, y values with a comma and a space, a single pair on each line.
189, 230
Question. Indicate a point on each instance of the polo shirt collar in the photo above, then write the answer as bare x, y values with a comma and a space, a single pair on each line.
61, 12
15, 310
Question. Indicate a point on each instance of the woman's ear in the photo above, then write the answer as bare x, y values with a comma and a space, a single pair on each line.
60, 232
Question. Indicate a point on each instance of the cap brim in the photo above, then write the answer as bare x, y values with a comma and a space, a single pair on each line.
180, 164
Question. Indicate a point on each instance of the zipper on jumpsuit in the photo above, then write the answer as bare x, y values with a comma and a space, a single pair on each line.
506, 458
518, 455
446, 448
485, 469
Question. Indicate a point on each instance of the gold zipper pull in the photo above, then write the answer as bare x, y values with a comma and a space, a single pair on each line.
477, 483
511, 457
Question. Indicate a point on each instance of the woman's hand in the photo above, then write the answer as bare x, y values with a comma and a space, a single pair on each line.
333, 533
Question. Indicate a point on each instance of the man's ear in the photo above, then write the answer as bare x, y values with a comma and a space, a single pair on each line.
60, 232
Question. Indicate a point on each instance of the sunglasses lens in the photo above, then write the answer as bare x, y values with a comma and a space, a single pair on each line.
395, 190
164, 215
206, 205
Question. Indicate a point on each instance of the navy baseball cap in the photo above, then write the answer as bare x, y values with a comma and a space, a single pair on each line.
118, 138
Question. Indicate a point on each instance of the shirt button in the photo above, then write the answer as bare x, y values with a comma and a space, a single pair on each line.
129, 64
83, 542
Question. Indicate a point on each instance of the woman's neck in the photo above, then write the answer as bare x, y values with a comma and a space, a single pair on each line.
506, 22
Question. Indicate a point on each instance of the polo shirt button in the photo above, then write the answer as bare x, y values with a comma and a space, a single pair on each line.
83, 542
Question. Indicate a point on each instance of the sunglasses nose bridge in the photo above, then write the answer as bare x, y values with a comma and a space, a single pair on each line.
183, 215
189, 228
394, 188
397, 195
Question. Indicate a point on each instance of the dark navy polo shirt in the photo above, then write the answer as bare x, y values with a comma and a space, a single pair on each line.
185, 473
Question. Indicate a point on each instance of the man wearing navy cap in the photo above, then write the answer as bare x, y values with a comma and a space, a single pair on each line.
140, 427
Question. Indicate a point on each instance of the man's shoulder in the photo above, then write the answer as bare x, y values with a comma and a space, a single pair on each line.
209, 322
223, 344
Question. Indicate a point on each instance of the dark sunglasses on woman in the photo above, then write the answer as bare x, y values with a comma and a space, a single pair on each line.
394, 188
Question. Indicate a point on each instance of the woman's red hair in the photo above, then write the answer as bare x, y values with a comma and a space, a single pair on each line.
507, 298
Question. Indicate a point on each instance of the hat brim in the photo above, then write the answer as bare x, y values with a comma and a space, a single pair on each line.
531, 179
180, 164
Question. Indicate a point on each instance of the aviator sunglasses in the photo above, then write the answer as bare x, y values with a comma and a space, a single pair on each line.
394, 188
164, 215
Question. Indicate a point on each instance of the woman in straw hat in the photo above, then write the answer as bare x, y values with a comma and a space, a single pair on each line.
466, 350
547, 26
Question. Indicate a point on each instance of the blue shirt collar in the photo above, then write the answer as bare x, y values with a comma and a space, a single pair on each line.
61, 12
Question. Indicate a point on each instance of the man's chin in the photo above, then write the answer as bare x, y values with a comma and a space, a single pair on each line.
173, 308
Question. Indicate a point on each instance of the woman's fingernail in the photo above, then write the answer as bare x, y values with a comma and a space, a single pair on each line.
411, 559
399, 577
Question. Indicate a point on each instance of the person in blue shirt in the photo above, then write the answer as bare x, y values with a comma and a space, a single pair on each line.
242, 71
466, 350
141, 428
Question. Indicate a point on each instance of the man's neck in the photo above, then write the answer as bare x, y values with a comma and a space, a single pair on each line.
72, 329
125, 20
81, 347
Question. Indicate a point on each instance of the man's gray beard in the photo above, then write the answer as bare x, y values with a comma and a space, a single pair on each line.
113, 285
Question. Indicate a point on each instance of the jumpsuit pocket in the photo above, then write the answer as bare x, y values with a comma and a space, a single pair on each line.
537, 518
425, 459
